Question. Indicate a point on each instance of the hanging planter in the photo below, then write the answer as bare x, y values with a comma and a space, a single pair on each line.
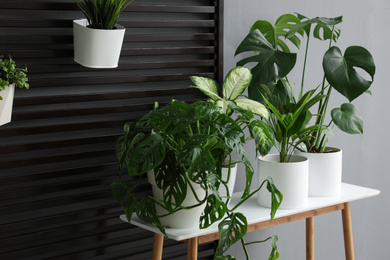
291, 178
6, 104
10, 77
98, 38
97, 48
325, 172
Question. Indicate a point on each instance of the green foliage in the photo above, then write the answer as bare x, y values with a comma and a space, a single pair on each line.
102, 14
235, 83
351, 73
289, 119
183, 144
10, 74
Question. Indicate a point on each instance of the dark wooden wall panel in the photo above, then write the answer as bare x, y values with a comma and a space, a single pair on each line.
57, 155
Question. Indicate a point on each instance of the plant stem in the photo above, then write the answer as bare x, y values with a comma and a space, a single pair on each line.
304, 65
322, 107
244, 247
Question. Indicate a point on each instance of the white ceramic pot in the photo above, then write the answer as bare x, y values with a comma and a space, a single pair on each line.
231, 182
188, 218
6, 104
325, 172
291, 179
96, 48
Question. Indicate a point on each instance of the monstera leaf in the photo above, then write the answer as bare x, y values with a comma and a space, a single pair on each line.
340, 70
231, 229
323, 30
272, 64
276, 34
348, 119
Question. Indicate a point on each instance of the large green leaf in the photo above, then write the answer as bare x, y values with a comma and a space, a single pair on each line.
262, 135
214, 210
208, 86
277, 34
323, 29
348, 119
271, 64
340, 71
236, 81
253, 106
231, 229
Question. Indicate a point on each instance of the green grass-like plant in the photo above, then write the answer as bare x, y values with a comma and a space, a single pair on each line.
102, 14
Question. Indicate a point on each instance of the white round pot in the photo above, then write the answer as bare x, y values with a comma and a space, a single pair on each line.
232, 180
97, 48
6, 104
325, 172
291, 179
186, 218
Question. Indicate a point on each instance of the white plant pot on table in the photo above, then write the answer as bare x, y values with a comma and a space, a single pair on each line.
325, 172
6, 104
97, 48
291, 179
185, 218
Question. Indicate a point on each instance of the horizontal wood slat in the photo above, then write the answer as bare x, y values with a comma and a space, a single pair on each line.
57, 156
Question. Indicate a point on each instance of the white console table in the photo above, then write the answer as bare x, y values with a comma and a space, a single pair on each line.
259, 217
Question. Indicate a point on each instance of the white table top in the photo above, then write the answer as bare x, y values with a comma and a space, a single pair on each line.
255, 213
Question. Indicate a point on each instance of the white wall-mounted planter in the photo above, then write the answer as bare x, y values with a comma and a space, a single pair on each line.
96, 48
325, 172
188, 218
291, 179
6, 104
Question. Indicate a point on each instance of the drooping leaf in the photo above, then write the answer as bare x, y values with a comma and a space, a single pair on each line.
340, 71
145, 210
214, 210
348, 119
208, 86
171, 179
236, 81
271, 64
231, 229
263, 136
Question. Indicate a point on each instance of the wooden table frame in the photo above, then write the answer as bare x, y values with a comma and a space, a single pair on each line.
192, 243
258, 218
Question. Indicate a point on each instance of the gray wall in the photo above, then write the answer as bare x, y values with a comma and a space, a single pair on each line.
366, 23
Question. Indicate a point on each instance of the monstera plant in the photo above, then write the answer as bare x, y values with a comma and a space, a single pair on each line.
185, 146
351, 73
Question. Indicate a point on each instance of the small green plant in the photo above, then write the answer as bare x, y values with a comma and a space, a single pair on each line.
343, 72
10, 74
102, 14
183, 144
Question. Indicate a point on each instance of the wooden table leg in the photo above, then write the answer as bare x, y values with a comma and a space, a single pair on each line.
310, 238
192, 248
157, 246
347, 230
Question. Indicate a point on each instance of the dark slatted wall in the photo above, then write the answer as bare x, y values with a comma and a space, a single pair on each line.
57, 155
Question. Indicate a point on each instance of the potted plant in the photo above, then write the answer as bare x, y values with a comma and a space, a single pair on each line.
183, 148
10, 76
269, 42
286, 128
280, 128
98, 38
